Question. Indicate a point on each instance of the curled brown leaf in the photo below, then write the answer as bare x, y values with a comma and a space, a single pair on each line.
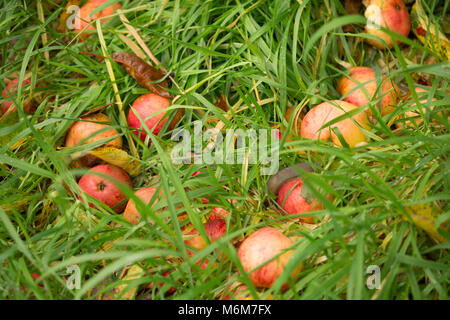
142, 72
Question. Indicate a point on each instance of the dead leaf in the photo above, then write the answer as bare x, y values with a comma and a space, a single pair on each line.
428, 33
222, 103
133, 273
142, 72
119, 158
424, 216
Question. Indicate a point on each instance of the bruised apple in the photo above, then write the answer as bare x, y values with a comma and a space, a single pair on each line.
103, 189
389, 14
131, 213
327, 111
261, 246
11, 89
360, 86
293, 201
90, 129
148, 111
85, 18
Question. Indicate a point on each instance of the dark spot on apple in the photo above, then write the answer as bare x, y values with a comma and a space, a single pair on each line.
397, 6
101, 186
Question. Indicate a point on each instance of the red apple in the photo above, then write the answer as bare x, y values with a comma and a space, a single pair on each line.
92, 128
291, 199
103, 189
260, 247
215, 229
327, 111
84, 19
131, 213
390, 14
11, 88
364, 78
151, 109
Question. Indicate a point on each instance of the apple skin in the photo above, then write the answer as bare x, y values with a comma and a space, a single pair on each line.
12, 88
146, 106
131, 213
104, 190
325, 112
261, 246
390, 14
291, 200
83, 19
219, 213
79, 132
358, 97
214, 228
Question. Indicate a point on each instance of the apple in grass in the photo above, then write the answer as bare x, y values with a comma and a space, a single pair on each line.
261, 246
327, 111
131, 213
11, 89
85, 19
293, 200
215, 229
360, 86
103, 189
389, 14
148, 111
90, 129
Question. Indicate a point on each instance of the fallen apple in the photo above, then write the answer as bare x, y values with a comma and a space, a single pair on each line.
131, 213
360, 87
293, 200
261, 246
214, 228
103, 189
85, 18
149, 109
11, 88
389, 14
327, 111
90, 129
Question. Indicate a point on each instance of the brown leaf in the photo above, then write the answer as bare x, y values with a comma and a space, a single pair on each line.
142, 72
222, 103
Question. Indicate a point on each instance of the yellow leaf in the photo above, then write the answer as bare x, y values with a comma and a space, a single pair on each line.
427, 33
134, 272
424, 216
118, 158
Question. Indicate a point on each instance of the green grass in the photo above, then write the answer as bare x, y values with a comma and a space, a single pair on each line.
282, 54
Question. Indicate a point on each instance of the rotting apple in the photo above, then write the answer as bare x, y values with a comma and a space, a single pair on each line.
293, 200
360, 86
261, 246
151, 108
11, 88
131, 213
103, 189
90, 129
389, 14
85, 18
327, 111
